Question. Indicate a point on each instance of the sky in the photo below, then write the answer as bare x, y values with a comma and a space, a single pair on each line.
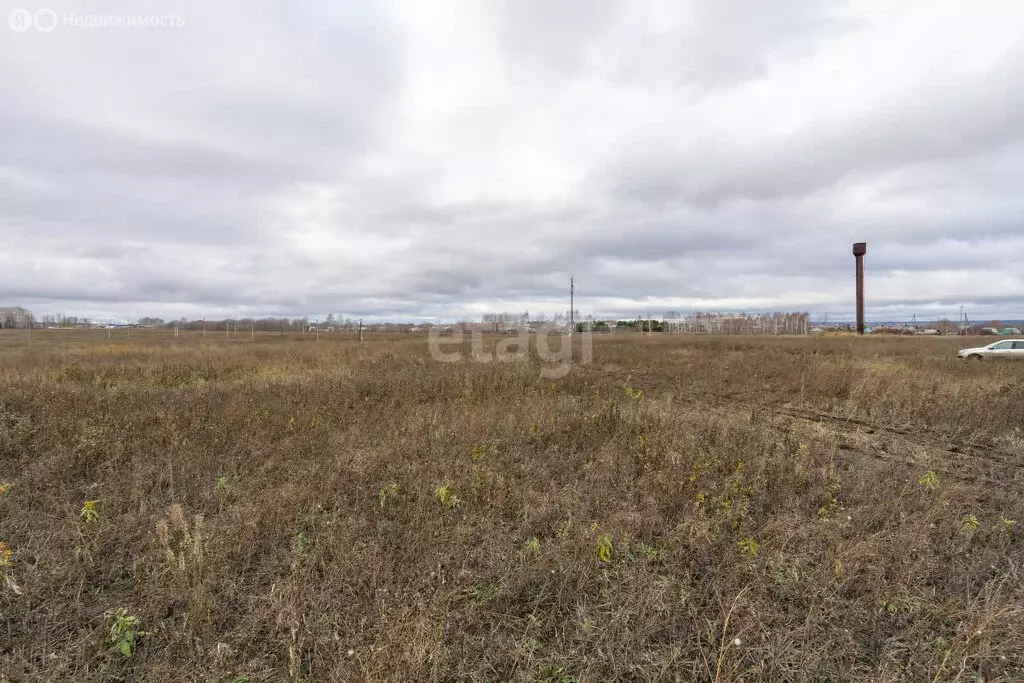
422, 159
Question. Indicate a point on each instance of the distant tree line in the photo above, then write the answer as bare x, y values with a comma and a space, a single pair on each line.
18, 317
61, 320
15, 317
943, 326
256, 324
741, 323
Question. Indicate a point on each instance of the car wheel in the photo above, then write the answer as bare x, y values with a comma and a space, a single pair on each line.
974, 356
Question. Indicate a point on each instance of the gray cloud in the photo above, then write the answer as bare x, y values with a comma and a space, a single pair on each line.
446, 158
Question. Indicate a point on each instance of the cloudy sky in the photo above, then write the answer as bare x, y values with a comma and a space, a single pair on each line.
426, 158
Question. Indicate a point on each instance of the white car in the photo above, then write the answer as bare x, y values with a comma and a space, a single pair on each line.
1005, 348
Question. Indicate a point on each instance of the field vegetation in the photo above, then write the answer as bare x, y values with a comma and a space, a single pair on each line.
680, 508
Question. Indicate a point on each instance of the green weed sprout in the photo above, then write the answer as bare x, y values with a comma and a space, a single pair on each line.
749, 546
388, 493
929, 480
90, 511
604, 547
447, 498
124, 633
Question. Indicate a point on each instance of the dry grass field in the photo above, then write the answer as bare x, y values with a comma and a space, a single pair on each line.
691, 509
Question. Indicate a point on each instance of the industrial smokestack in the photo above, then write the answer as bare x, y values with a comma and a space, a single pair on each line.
859, 249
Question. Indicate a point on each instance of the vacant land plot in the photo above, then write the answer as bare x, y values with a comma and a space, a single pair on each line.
707, 509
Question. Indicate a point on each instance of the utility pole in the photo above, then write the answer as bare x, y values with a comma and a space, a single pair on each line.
252, 328
572, 304
360, 329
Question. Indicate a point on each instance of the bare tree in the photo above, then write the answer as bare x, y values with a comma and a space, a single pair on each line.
15, 316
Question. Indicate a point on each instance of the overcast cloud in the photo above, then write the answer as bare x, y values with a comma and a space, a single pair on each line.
437, 158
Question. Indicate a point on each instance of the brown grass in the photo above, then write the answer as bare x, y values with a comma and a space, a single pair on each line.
771, 509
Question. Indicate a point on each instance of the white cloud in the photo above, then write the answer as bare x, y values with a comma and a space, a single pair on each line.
442, 158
